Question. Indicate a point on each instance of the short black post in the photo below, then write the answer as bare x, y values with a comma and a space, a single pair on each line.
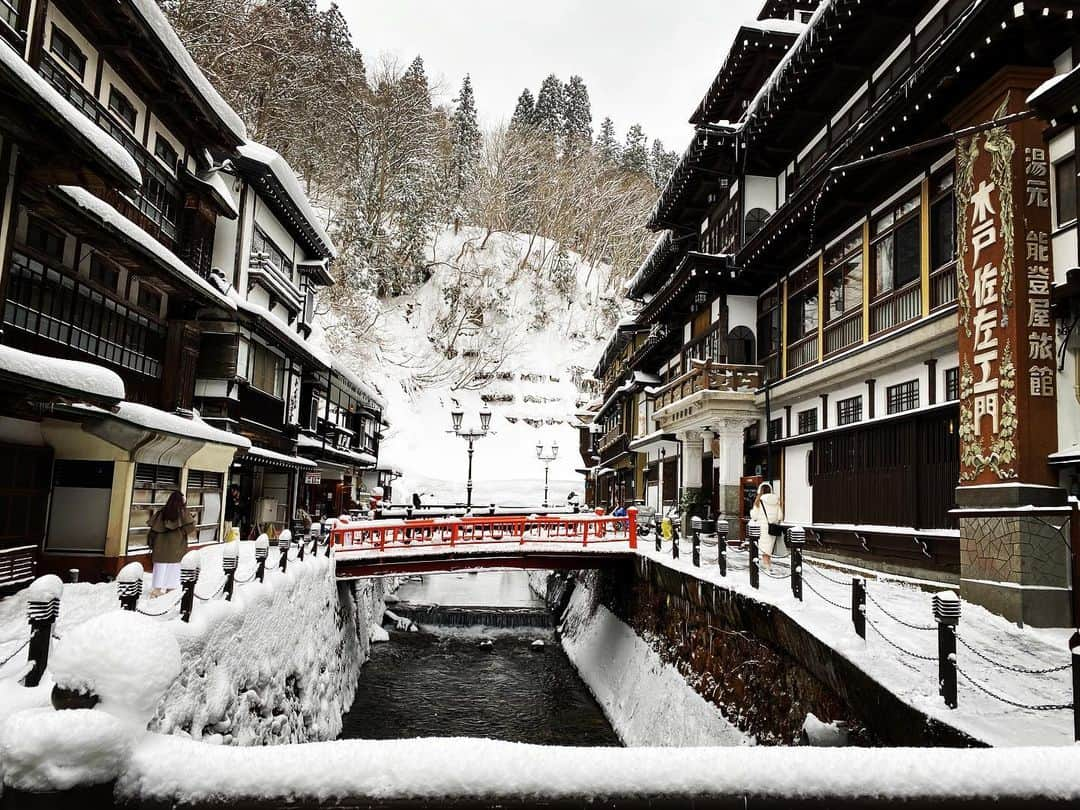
129, 585
262, 551
658, 528
301, 544
1074, 648
858, 605
284, 543
796, 539
73, 575
755, 573
722, 529
42, 608
946, 607
189, 575
491, 510
674, 545
696, 555
230, 559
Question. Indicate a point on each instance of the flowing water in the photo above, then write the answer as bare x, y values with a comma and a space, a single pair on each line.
448, 682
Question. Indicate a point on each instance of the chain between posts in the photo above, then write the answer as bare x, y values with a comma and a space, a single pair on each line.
1010, 668
1036, 707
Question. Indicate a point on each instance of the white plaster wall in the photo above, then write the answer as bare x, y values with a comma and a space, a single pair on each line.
742, 311
798, 496
760, 193
273, 228
55, 17
109, 78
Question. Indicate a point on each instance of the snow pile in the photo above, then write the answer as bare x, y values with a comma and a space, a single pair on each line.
128, 660
68, 374
277, 664
491, 327
46, 750
170, 771
647, 701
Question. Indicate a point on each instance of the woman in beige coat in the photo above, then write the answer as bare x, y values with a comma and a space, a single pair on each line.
768, 509
170, 528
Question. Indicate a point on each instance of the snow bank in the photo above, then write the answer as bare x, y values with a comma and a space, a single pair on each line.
172, 770
45, 750
278, 664
647, 701
69, 374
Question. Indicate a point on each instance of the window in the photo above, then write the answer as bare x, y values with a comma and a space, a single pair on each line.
67, 51
9, 12
104, 274
768, 326
952, 383
123, 108
896, 253
942, 221
1065, 190
265, 370
205, 491
164, 151
740, 346
154, 483
802, 304
807, 421
275, 256
849, 411
149, 298
776, 429
844, 275
902, 397
44, 239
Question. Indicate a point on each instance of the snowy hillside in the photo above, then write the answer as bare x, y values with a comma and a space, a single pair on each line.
513, 322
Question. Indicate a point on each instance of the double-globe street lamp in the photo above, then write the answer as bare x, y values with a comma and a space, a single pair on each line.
470, 436
547, 458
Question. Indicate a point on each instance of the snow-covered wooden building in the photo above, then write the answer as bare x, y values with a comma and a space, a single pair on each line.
874, 338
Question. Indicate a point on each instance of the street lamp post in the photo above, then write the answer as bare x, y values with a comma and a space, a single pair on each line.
470, 436
547, 458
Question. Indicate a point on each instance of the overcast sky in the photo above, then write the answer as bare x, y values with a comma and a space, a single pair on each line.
646, 61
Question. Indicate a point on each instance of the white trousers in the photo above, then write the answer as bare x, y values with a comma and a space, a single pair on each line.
166, 575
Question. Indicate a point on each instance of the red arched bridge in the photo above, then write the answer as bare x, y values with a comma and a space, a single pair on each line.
386, 547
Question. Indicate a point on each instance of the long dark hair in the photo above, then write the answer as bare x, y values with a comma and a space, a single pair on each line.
174, 507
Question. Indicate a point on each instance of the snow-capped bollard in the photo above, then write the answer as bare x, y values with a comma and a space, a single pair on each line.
754, 533
722, 529
695, 553
284, 543
674, 544
230, 559
1074, 648
189, 575
858, 605
796, 539
491, 510
658, 532
129, 585
42, 608
946, 607
73, 575
262, 550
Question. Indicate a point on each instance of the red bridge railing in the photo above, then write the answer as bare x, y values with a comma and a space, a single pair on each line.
446, 533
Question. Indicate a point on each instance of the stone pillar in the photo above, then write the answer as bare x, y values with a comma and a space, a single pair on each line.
1014, 564
691, 469
728, 459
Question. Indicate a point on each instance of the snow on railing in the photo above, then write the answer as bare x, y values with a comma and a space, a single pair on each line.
945, 610
450, 533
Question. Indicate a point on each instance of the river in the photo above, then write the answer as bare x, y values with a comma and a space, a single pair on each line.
444, 682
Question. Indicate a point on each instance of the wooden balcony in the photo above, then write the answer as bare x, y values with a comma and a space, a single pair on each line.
843, 332
802, 353
710, 376
943, 286
611, 438
896, 308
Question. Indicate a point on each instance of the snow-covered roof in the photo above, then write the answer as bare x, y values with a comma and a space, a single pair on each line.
112, 219
156, 21
356, 380
70, 375
164, 422
1040, 92
267, 318
48, 100
279, 458
310, 442
215, 182
780, 26
287, 179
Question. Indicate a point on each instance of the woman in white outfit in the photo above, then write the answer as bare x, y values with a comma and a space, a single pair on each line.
767, 509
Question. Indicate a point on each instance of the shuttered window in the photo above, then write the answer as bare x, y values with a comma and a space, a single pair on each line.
154, 483
205, 495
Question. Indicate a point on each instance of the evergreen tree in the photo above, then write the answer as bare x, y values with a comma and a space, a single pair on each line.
550, 107
524, 115
607, 145
635, 155
661, 163
465, 146
577, 116
415, 80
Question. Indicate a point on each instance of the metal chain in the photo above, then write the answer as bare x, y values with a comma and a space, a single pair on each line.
15, 652
823, 575
898, 647
217, 593
245, 581
1009, 667
162, 613
823, 596
1038, 707
775, 576
897, 619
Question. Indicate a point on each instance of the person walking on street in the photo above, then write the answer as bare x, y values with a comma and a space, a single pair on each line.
767, 513
170, 528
